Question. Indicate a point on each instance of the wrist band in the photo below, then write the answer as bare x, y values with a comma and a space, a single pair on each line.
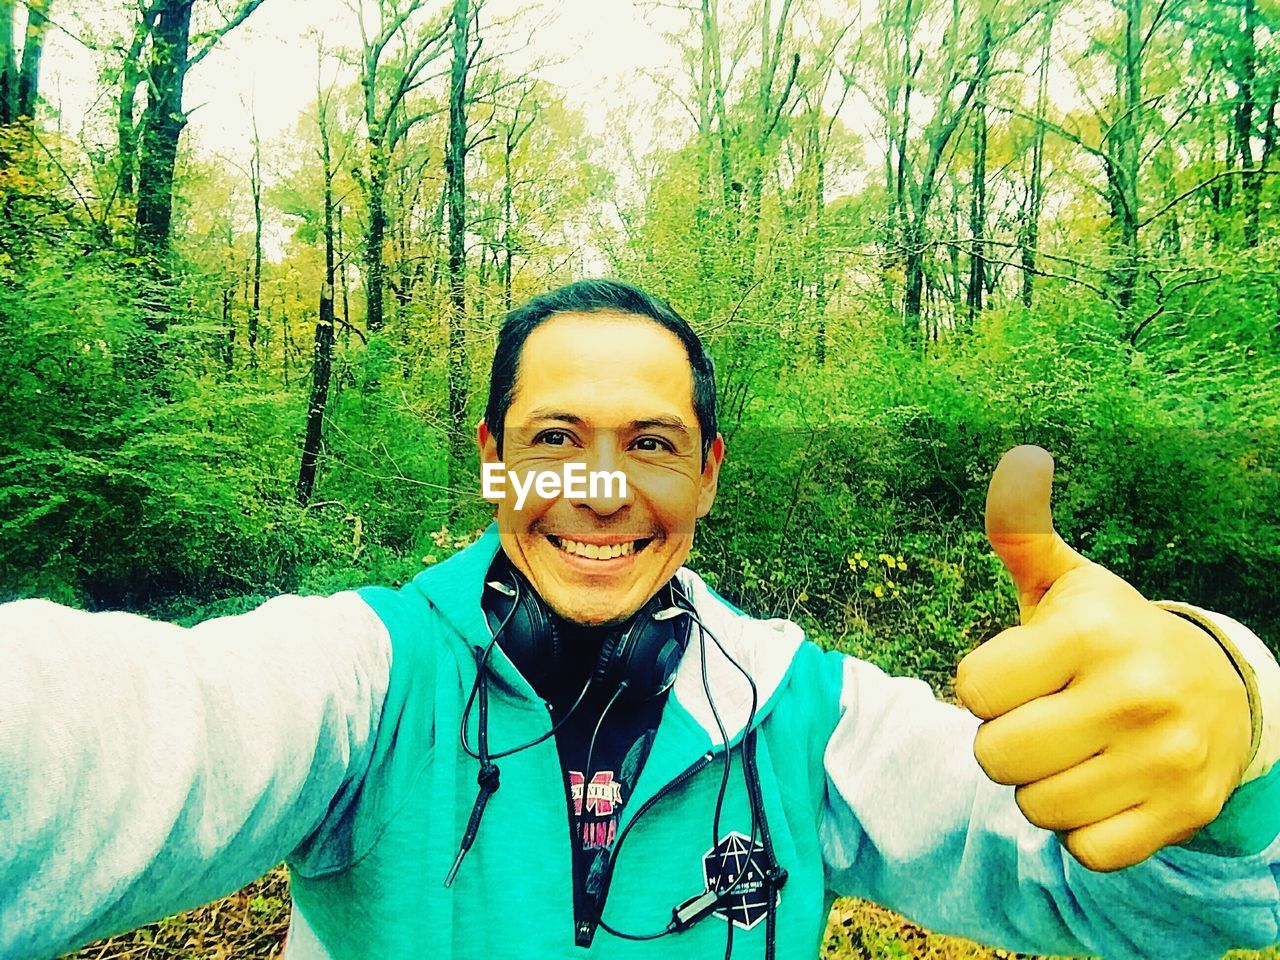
1238, 660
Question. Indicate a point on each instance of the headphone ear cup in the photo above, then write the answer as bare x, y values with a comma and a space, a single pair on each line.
530, 638
536, 649
608, 673
645, 653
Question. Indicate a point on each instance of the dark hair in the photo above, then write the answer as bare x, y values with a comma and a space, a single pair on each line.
596, 296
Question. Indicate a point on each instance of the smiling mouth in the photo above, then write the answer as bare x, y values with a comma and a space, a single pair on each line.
593, 551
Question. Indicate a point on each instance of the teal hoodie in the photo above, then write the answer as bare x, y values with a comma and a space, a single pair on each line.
145, 768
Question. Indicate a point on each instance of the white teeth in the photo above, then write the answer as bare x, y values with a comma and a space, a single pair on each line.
594, 551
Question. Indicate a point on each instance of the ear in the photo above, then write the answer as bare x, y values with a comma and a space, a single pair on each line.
488, 444
710, 476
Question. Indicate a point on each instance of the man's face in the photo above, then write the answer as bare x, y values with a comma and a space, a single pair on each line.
613, 391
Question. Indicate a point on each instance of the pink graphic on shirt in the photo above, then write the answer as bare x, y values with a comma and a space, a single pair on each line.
603, 794
602, 798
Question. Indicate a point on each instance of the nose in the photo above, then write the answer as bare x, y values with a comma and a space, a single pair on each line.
607, 487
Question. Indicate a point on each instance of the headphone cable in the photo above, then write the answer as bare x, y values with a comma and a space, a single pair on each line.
709, 906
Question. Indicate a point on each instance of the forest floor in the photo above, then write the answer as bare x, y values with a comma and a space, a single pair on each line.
251, 924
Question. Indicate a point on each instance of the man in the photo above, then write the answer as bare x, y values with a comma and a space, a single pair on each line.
523, 752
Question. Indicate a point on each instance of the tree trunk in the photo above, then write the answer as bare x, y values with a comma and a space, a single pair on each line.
768, 109
322, 355
255, 304
506, 228
820, 294
32, 50
437, 242
162, 124
978, 190
456, 185
374, 268
228, 302
321, 371
1124, 142
127, 132
229, 324
719, 176
8, 64
1246, 82
286, 342
913, 284
20, 77
342, 279
1030, 239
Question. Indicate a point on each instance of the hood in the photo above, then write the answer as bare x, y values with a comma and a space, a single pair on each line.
762, 648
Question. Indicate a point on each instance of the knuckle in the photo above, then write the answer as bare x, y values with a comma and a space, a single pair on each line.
1086, 852
1042, 806
1184, 749
970, 690
1149, 694
1136, 712
1093, 854
1090, 629
1151, 679
992, 756
1204, 807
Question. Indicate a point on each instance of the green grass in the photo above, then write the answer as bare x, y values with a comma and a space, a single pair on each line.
251, 924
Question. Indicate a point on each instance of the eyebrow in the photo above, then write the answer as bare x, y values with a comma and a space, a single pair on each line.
560, 416
671, 423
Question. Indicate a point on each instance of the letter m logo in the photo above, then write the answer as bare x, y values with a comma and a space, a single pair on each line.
603, 794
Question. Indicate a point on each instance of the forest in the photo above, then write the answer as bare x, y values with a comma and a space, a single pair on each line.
913, 233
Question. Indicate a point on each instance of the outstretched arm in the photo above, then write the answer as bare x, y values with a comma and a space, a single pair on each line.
146, 768
1113, 788
912, 822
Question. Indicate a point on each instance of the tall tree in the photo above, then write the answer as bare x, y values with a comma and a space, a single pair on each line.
1029, 228
978, 184
389, 74
1254, 111
774, 100
456, 191
132, 76
8, 62
965, 64
20, 76
255, 189
322, 352
164, 119
514, 126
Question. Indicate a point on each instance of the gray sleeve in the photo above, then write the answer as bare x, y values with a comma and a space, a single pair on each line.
146, 768
912, 822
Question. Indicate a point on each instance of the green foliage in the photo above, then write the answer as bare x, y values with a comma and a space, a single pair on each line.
148, 458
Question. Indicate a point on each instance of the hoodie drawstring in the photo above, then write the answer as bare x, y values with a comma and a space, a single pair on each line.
487, 778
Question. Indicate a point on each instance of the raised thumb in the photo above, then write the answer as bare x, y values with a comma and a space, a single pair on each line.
1019, 523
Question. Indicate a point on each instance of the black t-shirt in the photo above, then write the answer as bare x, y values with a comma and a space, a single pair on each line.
594, 797
596, 794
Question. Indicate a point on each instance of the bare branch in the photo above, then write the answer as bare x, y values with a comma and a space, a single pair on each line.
211, 39
1259, 171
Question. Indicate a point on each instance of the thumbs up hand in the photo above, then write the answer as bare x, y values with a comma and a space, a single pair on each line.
1123, 727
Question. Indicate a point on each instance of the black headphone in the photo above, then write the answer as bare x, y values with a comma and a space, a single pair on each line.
637, 660
638, 657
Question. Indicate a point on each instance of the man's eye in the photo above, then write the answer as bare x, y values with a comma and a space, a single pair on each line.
554, 438
654, 445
